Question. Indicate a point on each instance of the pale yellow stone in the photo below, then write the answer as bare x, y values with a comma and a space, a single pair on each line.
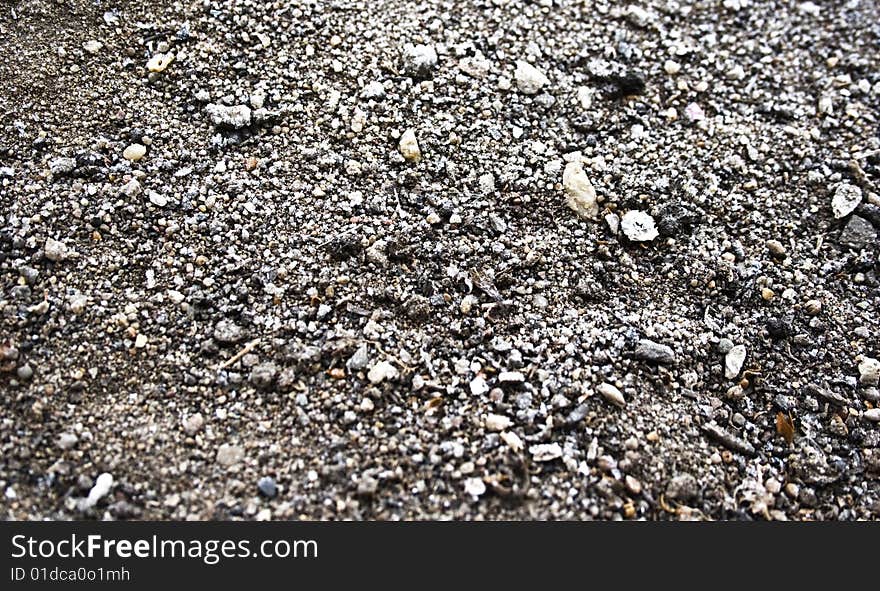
409, 146
160, 61
134, 152
580, 195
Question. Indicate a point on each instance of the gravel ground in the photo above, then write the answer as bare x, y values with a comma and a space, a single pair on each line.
440, 260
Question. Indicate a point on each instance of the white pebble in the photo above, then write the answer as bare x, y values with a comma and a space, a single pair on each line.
479, 386
474, 487
511, 377
55, 250
672, 68
495, 422
529, 79
638, 226
382, 371
93, 46
580, 196
733, 361
157, 199
512, 440
872, 415
846, 198
545, 452
134, 152
67, 440
193, 424
160, 61
869, 372
132, 188
409, 146
611, 394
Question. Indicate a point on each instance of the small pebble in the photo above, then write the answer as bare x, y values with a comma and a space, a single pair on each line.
93, 46
409, 146
475, 487
671, 67
651, 352
229, 455
638, 226
529, 79
846, 198
580, 196
734, 361
54, 250
776, 248
511, 377
382, 371
545, 452
419, 61
134, 152
267, 487
67, 440
495, 422
869, 372
611, 394
193, 424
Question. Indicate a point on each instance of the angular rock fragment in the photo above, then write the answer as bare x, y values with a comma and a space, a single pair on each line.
234, 117
846, 198
652, 352
529, 79
580, 196
638, 226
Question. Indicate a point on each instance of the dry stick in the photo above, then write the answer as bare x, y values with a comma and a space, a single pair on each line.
245, 350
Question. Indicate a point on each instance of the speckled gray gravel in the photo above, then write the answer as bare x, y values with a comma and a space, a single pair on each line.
284, 260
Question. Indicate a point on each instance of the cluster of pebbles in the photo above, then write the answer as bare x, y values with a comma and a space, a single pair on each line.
477, 260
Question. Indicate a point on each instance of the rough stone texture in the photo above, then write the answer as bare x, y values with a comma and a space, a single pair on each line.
275, 246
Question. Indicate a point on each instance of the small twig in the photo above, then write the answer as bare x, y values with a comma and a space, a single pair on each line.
244, 351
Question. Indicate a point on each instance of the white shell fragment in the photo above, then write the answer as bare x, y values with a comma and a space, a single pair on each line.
638, 226
580, 195
134, 152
